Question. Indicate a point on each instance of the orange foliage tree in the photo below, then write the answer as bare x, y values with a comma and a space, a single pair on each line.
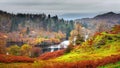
26, 50
2, 43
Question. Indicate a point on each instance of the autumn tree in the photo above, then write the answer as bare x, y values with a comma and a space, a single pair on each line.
36, 51
78, 34
26, 50
69, 48
14, 50
28, 30
59, 35
2, 46
2, 43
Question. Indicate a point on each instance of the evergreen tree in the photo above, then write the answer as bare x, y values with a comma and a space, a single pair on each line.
28, 30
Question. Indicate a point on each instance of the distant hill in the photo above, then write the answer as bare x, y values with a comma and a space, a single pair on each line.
109, 15
100, 23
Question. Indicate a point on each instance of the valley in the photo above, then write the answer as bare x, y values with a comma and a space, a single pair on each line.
41, 41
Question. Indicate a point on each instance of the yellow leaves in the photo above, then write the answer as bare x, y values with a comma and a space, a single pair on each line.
74, 33
59, 35
78, 26
39, 40
26, 50
55, 40
26, 47
50, 40
77, 35
14, 50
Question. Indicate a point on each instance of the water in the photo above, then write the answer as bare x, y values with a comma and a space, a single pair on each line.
86, 37
53, 48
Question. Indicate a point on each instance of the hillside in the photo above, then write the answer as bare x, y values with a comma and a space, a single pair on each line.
102, 22
33, 22
94, 42
101, 49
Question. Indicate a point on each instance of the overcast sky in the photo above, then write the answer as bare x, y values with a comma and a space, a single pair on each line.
63, 8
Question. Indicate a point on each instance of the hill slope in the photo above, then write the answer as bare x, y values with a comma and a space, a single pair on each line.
102, 22
101, 49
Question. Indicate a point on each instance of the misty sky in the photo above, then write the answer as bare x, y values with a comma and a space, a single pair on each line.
64, 8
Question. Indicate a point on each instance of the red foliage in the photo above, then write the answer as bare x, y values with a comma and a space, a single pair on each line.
50, 55
116, 29
10, 59
97, 33
90, 42
115, 32
86, 63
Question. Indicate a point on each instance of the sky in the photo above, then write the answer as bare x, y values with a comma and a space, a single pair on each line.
68, 9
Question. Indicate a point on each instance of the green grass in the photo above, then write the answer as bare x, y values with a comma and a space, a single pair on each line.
115, 65
86, 52
91, 53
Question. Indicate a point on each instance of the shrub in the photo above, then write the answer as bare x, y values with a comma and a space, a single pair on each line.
50, 55
79, 39
85, 63
11, 59
26, 50
69, 48
14, 50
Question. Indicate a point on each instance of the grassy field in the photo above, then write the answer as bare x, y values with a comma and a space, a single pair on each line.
112, 65
85, 52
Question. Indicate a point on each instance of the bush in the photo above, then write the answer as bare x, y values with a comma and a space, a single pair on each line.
26, 50
14, 50
11, 59
85, 63
69, 48
79, 39
50, 55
